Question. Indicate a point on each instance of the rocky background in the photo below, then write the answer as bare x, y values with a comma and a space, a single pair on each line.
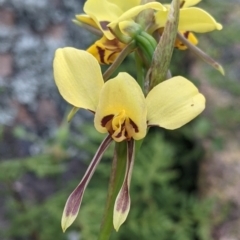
32, 129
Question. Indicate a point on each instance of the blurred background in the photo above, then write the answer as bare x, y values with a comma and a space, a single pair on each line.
185, 184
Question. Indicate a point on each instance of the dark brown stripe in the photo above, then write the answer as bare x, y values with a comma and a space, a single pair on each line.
106, 119
182, 3
101, 53
134, 125
186, 34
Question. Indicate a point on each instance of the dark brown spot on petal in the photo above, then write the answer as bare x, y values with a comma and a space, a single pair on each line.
182, 4
104, 24
106, 119
186, 34
134, 125
101, 53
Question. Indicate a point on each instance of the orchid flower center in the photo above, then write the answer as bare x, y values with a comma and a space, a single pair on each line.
120, 126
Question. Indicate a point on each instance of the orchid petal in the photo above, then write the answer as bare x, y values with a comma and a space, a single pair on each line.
189, 36
197, 20
105, 50
191, 19
133, 12
189, 3
78, 77
123, 201
83, 18
173, 103
73, 203
122, 94
126, 5
103, 14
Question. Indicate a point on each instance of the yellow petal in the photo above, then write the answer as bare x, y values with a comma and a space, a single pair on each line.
197, 20
102, 14
191, 19
106, 51
190, 37
133, 12
189, 3
126, 5
86, 19
173, 103
122, 96
78, 77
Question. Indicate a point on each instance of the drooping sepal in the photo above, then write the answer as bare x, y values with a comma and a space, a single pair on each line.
201, 54
123, 201
73, 203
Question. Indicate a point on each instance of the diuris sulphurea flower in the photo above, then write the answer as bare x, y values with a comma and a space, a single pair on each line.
191, 19
122, 112
99, 15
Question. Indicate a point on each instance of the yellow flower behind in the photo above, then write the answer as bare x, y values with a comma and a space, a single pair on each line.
108, 47
191, 19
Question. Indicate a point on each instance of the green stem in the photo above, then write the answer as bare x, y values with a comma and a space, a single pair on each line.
140, 70
126, 51
116, 179
163, 53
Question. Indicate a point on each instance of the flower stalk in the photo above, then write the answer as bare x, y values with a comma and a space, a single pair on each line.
163, 53
116, 179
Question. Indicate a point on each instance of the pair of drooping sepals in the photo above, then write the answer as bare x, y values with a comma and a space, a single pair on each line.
121, 109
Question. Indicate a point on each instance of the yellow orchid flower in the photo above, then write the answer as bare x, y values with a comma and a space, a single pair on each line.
191, 19
105, 50
122, 111
99, 17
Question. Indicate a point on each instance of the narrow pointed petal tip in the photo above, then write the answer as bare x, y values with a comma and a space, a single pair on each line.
122, 207
123, 201
72, 206
67, 221
73, 203
219, 26
221, 69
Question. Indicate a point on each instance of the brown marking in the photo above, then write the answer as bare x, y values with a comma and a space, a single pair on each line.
106, 119
186, 34
104, 24
182, 4
123, 201
110, 57
122, 128
135, 127
101, 53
